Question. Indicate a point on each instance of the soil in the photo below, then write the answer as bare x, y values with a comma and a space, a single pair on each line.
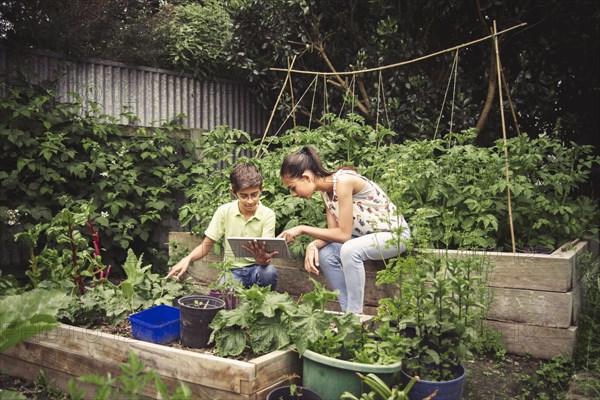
486, 378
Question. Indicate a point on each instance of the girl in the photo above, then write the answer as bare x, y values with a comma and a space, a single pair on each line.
360, 223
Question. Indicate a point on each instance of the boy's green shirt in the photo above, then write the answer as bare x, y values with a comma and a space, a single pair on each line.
229, 221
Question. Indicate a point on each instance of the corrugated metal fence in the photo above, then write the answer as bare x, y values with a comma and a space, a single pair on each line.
153, 95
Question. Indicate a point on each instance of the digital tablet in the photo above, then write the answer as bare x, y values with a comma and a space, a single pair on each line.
273, 244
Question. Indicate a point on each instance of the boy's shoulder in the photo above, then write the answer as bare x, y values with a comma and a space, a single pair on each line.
266, 210
227, 206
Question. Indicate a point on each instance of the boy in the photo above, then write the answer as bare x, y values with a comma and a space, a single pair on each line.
245, 216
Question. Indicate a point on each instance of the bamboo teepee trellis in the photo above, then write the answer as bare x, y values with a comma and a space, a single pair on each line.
317, 74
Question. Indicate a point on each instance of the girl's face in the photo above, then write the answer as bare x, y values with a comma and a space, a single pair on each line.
303, 187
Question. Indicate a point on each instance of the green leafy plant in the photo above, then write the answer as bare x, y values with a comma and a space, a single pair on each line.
225, 286
586, 356
295, 390
550, 382
40, 388
65, 255
55, 152
9, 285
456, 191
446, 303
265, 321
70, 261
113, 303
257, 324
132, 384
380, 390
198, 36
28, 314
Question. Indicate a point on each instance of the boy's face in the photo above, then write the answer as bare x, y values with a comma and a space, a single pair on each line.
248, 198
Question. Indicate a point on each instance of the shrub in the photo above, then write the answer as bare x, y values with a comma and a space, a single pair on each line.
54, 153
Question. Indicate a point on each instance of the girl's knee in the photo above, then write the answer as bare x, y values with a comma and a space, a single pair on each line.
330, 250
349, 251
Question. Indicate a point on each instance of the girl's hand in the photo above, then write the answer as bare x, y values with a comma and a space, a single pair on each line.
311, 259
290, 234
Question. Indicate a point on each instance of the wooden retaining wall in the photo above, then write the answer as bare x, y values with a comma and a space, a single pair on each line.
536, 297
68, 352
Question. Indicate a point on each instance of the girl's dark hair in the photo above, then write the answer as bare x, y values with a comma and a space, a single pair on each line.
301, 160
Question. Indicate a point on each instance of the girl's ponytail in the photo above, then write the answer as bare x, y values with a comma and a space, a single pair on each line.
299, 161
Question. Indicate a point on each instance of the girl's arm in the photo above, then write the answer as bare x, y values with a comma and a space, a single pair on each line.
311, 258
331, 224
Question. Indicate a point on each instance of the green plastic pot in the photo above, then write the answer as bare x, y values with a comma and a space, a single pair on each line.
331, 377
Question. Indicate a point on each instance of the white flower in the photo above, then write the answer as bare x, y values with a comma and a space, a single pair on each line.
122, 152
104, 174
12, 217
104, 214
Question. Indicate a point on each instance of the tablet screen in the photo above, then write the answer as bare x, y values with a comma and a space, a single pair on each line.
273, 244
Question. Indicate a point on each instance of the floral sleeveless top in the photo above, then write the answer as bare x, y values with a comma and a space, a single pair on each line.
372, 210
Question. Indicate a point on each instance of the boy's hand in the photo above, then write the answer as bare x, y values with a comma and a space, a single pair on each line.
179, 269
259, 252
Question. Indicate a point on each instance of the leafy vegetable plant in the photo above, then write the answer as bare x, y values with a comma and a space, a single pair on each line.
446, 303
28, 314
132, 384
265, 321
380, 390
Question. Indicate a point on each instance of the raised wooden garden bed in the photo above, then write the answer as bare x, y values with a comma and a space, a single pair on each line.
536, 297
68, 352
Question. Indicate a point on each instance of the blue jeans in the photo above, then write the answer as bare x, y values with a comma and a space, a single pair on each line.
255, 274
344, 267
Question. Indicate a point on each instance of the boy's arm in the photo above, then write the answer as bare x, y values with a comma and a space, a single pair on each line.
199, 252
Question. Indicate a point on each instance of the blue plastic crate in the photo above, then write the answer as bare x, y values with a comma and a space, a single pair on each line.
159, 324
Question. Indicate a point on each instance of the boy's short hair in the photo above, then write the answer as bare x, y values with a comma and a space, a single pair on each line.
245, 176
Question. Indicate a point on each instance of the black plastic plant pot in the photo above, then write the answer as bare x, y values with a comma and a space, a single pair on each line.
175, 301
197, 312
301, 393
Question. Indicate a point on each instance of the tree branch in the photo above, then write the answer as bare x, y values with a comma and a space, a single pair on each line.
341, 83
492, 81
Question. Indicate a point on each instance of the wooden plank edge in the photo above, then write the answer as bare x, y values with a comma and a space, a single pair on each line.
503, 308
536, 341
29, 369
228, 373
